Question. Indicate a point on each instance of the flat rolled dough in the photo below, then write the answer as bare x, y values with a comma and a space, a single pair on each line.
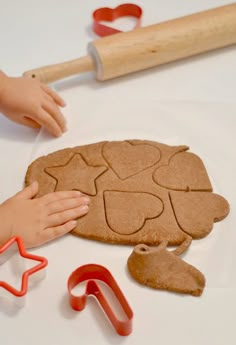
141, 191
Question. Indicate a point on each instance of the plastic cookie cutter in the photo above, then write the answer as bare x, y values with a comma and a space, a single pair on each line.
110, 14
92, 272
5, 250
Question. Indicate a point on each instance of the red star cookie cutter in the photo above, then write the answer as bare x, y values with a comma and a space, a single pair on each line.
92, 272
110, 14
25, 277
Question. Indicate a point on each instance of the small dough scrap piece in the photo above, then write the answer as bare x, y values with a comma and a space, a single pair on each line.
76, 174
127, 159
160, 269
196, 212
126, 212
185, 171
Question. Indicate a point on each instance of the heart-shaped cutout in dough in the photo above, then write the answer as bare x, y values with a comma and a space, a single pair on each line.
185, 171
127, 159
196, 212
127, 212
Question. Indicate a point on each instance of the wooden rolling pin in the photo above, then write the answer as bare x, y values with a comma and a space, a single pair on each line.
150, 46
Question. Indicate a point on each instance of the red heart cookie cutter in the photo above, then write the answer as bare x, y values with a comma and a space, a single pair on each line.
110, 14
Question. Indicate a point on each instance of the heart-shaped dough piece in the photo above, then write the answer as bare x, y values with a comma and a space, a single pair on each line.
196, 212
127, 159
127, 212
185, 171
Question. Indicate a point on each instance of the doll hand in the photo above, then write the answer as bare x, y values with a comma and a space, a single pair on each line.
31, 103
40, 220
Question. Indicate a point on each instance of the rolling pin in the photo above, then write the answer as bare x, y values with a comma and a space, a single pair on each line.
150, 46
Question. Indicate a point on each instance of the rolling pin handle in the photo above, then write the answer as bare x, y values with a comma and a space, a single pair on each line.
51, 73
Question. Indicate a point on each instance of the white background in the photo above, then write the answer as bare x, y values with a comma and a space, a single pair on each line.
190, 102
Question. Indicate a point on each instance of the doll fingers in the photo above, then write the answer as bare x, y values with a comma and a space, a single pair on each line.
48, 122
54, 95
28, 192
60, 195
50, 234
52, 109
63, 217
66, 204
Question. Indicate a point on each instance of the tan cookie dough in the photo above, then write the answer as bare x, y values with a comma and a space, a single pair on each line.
141, 191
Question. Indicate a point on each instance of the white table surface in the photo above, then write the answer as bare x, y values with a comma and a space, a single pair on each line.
191, 102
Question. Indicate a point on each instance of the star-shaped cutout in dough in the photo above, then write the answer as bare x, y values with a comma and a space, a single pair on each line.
25, 277
76, 174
